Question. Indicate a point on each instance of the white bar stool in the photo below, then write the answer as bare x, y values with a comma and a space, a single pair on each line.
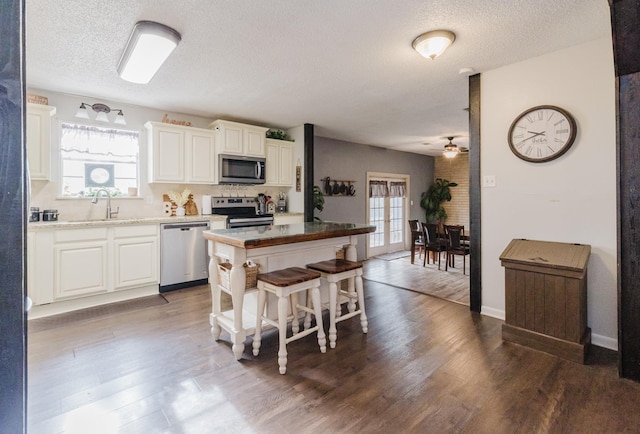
335, 271
284, 284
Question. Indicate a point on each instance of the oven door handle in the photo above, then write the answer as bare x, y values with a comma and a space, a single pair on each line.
251, 220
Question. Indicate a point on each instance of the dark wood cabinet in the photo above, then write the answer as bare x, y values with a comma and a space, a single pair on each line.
546, 297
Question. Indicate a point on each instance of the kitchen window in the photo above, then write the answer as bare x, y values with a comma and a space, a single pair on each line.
93, 158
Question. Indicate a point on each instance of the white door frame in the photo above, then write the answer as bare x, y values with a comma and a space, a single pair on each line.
395, 177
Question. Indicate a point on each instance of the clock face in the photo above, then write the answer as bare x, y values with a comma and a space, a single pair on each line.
542, 133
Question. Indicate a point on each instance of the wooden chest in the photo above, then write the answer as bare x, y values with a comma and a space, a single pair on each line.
546, 297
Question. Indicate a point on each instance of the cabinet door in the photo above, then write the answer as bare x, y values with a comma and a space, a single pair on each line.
136, 262
232, 139
39, 140
167, 155
254, 140
201, 157
286, 165
80, 269
272, 165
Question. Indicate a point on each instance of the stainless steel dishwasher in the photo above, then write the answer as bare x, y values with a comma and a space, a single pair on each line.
183, 255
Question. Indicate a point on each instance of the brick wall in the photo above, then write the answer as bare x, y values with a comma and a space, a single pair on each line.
456, 170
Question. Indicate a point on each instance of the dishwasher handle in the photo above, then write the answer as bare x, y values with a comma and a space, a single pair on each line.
184, 226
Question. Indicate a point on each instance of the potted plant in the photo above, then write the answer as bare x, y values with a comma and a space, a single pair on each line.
318, 200
432, 199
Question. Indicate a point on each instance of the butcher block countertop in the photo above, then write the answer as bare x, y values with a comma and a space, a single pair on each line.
266, 236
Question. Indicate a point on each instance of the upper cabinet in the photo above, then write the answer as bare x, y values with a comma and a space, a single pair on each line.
279, 164
179, 154
239, 139
39, 140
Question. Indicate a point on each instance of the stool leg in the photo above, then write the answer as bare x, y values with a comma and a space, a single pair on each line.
359, 289
351, 304
295, 323
283, 304
333, 297
257, 337
307, 316
317, 308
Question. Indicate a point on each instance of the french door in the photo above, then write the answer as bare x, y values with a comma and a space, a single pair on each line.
386, 212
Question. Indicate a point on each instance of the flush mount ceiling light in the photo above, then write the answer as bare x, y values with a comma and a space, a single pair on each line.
432, 44
102, 111
148, 47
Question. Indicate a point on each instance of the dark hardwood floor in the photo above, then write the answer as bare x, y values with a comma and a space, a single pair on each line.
426, 365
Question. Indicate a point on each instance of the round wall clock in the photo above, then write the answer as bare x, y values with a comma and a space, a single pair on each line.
542, 133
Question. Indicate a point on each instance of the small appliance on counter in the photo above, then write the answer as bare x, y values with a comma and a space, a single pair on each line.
34, 214
50, 215
282, 202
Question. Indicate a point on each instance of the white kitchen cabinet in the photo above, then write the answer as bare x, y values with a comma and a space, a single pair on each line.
80, 260
82, 267
239, 139
179, 154
288, 219
135, 256
279, 164
39, 140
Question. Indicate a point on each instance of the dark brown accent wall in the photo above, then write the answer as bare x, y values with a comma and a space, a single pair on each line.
308, 172
626, 47
475, 273
13, 340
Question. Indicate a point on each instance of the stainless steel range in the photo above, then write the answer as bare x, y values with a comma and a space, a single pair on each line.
240, 211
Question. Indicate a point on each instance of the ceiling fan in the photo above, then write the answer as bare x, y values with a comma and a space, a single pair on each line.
450, 150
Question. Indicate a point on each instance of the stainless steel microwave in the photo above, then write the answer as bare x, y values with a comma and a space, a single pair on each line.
238, 169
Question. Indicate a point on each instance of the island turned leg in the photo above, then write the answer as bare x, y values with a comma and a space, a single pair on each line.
351, 254
237, 281
215, 293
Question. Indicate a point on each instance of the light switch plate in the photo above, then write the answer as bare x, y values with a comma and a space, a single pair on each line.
489, 181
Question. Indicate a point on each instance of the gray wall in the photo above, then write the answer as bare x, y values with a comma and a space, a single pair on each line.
352, 161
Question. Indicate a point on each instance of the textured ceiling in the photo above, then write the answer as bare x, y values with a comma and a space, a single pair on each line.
345, 66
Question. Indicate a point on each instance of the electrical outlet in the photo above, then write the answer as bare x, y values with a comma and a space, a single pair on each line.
489, 181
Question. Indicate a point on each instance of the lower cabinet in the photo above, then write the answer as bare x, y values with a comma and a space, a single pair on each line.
288, 219
73, 263
80, 267
135, 251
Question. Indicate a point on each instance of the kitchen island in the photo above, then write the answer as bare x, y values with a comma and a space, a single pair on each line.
271, 248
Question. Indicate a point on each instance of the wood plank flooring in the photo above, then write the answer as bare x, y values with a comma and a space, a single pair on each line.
450, 285
426, 365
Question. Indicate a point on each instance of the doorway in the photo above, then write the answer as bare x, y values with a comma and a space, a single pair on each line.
387, 211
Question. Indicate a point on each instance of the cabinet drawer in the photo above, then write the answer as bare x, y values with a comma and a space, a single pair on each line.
73, 235
135, 231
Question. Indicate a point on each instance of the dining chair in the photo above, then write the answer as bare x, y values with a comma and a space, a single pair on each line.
417, 240
432, 243
456, 245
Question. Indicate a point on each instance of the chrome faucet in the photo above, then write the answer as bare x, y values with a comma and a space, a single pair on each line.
110, 213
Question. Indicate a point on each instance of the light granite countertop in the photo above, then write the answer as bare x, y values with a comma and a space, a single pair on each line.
76, 224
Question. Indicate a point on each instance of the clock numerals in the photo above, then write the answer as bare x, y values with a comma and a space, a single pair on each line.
542, 134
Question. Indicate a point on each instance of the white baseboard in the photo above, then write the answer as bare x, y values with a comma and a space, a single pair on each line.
56, 308
604, 342
493, 313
